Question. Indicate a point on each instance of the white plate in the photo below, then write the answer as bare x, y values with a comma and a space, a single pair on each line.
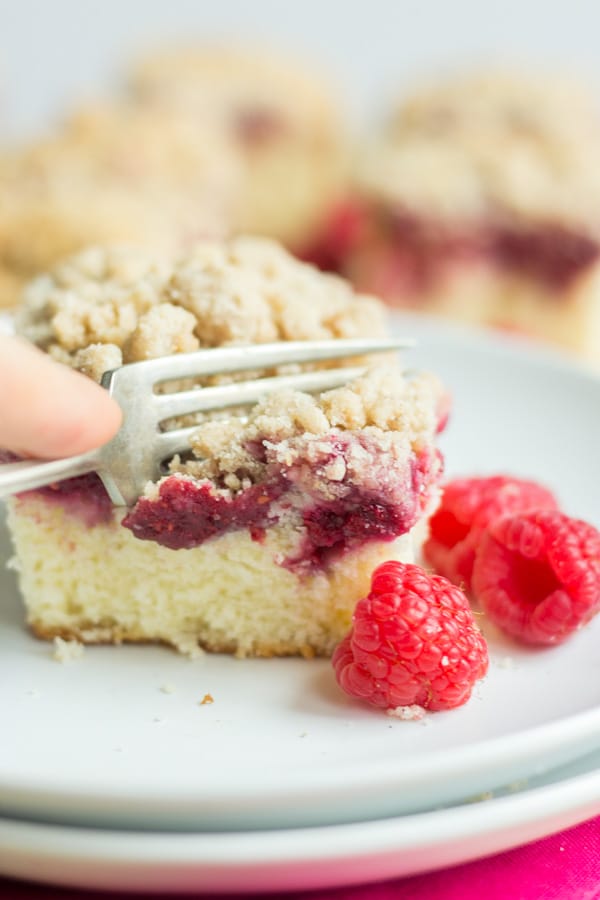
299, 859
97, 741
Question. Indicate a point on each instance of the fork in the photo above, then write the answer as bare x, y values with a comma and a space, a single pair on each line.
136, 453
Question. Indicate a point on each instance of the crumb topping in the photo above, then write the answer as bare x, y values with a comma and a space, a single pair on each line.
501, 143
221, 82
95, 297
105, 302
206, 700
96, 359
396, 414
163, 330
66, 651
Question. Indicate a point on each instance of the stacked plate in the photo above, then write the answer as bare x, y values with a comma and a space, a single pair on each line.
115, 774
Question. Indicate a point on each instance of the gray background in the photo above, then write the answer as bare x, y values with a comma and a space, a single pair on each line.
56, 52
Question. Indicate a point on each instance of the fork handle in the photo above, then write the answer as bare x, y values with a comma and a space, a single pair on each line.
28, 474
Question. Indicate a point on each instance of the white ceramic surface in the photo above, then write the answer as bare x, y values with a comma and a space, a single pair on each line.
296, 859
99, 741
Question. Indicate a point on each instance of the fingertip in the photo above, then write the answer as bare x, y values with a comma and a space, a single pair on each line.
88, 418
48, 410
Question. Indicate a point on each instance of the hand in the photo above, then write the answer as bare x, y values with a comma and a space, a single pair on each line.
48, 410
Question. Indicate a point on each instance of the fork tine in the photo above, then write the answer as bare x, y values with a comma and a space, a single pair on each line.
238, 394
256, 356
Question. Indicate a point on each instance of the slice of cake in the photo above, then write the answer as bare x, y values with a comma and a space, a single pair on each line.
280, 118
480, 200
262, 540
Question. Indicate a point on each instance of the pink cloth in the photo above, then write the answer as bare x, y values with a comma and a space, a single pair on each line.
565, 866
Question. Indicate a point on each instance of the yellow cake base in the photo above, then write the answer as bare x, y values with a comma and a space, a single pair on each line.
102, 585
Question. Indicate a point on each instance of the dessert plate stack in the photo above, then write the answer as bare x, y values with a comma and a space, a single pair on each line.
132, 767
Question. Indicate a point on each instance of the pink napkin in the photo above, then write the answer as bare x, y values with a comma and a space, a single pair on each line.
565, 866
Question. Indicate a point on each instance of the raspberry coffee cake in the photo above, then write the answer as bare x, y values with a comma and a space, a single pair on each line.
480, 200
261, 540
111, 173
281, 120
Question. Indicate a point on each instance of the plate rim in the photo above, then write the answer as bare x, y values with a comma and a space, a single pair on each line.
544, 810
372, 777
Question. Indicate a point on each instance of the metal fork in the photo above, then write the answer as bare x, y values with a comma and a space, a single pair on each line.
135, 455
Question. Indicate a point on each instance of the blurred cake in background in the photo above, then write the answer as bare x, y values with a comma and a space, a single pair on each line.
113, 172
282, 121
480, 199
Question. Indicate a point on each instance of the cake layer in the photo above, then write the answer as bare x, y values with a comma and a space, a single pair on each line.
100, 584
481, 294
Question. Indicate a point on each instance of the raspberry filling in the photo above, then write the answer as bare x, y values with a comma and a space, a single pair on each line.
552, 254
333, 517
83, 497
399, 254
341, 234
313, 485
256, 127
187, 513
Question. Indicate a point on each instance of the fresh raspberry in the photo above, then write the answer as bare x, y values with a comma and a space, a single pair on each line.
413, 642
537, 575
468, 506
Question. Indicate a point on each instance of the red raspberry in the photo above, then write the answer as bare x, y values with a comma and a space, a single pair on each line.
413, 641
537, 575
468, 506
